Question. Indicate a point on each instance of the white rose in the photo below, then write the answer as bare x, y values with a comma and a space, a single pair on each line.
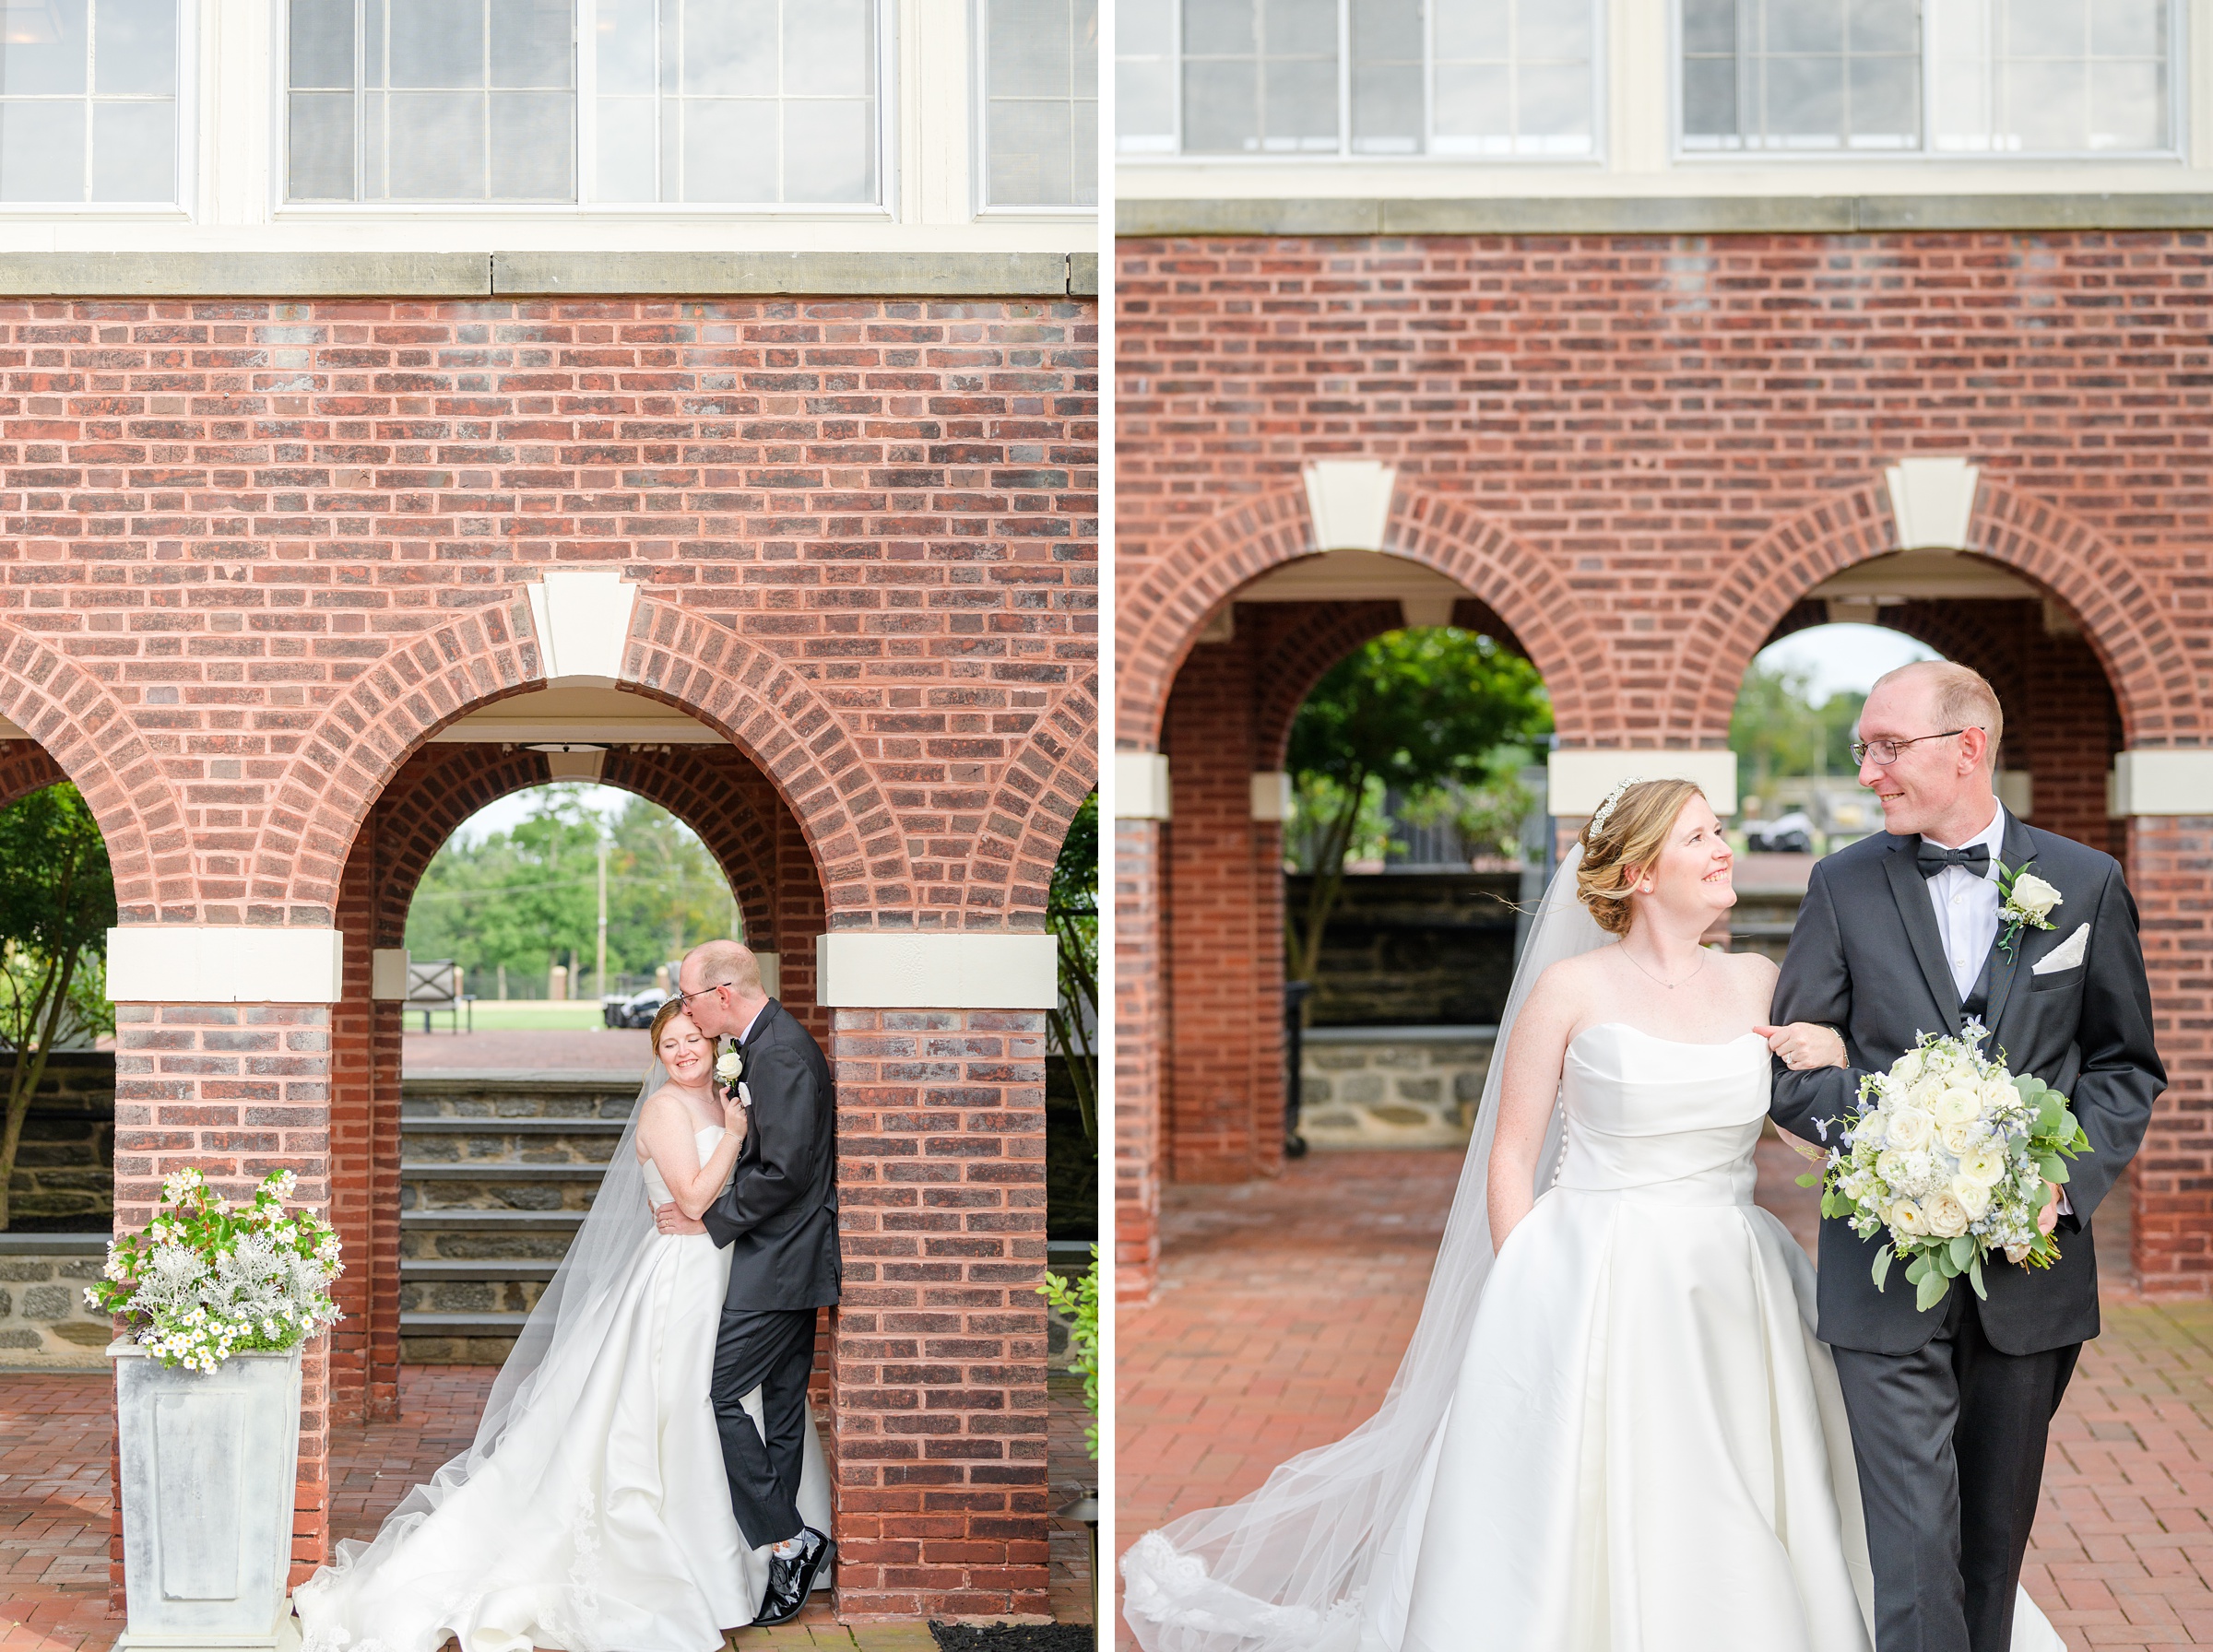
1890, 1165
1907, 1218
730, 1066
1924, 1092
1985, 1166
1973, 1196
1958, 1137
1997, 1094
1868, 1132
1909, 1127
2032, 895
1957, 1105
1946, 1216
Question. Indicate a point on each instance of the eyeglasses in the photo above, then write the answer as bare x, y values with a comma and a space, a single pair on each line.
1886, 751
685, 997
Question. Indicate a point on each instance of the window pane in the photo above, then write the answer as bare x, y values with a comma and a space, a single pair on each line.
1547, 29
625, 159
1212, 28
2130, 29
828, 49
1032, 152
1300, 27
1145, 104
134, 151
829, 150
47, 54
623, 40
1885, 96
1709, 26
530, 42
43, 151
321, 43
2128, 106
1387, 108
1029, 50
319, 144
1804, 99
1300, 99
531, 145
1474, 29
1803, 26
435, 150
134, 48
1221, 107
1709, 98
436, 42
730, 50
730, 150
1802, 73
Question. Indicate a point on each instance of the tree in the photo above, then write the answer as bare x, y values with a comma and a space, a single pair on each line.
58, 902
1779, 732
1072, 914
1411, 712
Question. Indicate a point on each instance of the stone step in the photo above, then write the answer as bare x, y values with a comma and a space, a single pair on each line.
498, 1186
474, 1267
472, 1285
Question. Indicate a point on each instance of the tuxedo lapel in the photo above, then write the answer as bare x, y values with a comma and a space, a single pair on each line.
1910, 891
2020, 849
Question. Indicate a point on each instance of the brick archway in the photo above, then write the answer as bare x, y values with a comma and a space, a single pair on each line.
2142, 657
25, 768
1160, 617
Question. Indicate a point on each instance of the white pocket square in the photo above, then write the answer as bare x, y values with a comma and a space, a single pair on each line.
2066, 955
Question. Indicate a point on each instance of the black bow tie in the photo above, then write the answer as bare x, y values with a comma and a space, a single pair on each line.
1931, 858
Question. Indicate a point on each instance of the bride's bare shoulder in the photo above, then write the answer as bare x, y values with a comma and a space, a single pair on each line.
1569, 983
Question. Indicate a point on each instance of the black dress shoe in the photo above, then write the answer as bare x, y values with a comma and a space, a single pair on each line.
790, 1577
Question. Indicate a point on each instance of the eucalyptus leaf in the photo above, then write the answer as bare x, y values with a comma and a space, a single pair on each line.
1882, 1265
1930, 1292
1963, 1251
1974, 1278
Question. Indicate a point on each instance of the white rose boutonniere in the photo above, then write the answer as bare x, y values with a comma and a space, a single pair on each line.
2024, 899
729, 1066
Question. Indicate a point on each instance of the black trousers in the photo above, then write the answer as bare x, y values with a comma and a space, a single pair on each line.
1950, 1441
773, 1351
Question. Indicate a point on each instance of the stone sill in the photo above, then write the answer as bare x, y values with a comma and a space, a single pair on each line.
535, 275
1398, 1035
53, 1244
1663, 215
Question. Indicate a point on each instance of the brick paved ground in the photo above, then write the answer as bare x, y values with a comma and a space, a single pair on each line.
1284, 1306
55, 1440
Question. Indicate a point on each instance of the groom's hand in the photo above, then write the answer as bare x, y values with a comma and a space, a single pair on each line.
670, 1219
2048, 1218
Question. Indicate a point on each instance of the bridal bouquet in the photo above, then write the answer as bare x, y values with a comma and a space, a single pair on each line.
207, 1279
1949, 1154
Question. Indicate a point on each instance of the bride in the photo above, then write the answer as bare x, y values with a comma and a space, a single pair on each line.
591, 1513
1615, 1428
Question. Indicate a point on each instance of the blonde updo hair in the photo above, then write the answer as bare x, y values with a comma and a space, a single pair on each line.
1616, 852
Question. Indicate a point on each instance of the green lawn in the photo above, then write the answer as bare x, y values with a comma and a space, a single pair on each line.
494, 1016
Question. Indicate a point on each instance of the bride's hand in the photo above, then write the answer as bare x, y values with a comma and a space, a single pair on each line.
1803, 1044
1802, 1148
737, 1117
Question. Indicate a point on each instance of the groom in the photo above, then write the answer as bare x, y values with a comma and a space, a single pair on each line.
1900, 935
778, 1219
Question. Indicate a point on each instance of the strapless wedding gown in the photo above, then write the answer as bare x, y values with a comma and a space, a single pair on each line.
1646, 1449
602, 1522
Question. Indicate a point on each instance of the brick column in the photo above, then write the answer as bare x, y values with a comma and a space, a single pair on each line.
1138, 1057
236, 1091
1222, 931
2173, 1174
938, 1354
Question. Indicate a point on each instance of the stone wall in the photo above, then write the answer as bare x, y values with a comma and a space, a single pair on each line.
64, 1177
1391, 1086
45, 1324
1413, 949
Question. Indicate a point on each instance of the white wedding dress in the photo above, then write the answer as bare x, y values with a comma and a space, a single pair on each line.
1647, 1448
601, 1521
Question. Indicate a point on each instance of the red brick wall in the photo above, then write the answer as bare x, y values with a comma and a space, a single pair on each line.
252, 553
1640, 453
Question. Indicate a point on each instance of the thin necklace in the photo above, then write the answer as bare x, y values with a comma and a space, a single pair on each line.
1647, 974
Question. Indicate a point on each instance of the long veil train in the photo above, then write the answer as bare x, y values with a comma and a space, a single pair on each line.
1287, 1569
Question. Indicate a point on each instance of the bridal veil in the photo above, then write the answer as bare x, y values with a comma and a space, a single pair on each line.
1287, 1569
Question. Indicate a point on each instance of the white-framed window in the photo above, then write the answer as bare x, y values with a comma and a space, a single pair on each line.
1494, 78
1038, 61
90, 94
746, 105
745, 102
2044, 77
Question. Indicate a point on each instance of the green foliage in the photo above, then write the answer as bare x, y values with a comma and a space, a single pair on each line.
57, 902
1072, 914
1079, 1304
1413, 712
1778, 733
526, 898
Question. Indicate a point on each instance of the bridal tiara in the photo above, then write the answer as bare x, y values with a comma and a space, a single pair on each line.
1598, 820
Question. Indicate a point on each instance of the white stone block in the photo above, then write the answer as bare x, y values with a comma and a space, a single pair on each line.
211, 963
1141, 786
208, 1468
873, 970
1579, 779
582, 616
2170, 780
1349, 501
1932, 501
772, 972
1272, 796
388, 974
2017, 791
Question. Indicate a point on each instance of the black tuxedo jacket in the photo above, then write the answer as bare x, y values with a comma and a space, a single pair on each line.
1866, 959
778, 1216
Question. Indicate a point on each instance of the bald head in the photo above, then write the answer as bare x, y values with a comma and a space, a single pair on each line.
721, 982
1952, 696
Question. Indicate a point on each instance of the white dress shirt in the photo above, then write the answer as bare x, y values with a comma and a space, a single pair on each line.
1967, 906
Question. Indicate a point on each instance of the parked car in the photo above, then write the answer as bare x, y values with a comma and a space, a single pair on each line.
637, 1010
1787, 834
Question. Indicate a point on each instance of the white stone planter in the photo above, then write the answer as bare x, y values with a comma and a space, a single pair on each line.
207, 1470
